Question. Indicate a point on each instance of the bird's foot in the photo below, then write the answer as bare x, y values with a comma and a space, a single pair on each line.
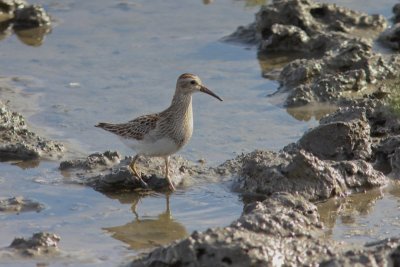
138, 177
143, 183
171, 187
170, 184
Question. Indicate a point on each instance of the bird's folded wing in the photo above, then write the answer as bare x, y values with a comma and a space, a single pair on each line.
136, 128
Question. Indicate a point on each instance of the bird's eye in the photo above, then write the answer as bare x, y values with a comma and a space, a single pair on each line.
193, 82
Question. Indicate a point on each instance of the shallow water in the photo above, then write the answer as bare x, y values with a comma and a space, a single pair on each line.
365, 217
115, 60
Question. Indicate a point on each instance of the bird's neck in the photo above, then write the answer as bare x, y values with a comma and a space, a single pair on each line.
182, 104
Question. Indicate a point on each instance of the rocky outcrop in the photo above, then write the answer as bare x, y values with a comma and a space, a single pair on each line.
333, 44
351, 71
108, 172
307, 26
18, 142
301, 172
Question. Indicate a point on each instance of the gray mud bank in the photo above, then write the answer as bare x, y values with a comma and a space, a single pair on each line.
352, 150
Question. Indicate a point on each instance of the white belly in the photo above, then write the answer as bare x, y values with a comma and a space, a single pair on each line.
158, 148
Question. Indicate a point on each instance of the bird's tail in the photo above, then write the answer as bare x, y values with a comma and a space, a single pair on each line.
118, 129
104, 125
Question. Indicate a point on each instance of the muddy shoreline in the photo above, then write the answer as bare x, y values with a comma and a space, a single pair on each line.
352, 150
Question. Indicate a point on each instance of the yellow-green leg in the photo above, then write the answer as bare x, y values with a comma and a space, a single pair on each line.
133, 169
171, 185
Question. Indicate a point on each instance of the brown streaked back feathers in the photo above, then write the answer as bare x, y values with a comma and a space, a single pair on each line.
136, 128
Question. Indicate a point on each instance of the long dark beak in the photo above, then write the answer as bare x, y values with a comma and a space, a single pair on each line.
208, 91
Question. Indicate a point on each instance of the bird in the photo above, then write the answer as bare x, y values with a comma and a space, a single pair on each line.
161, 134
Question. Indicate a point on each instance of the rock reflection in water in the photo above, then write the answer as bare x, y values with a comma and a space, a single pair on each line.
34, 36
347, 209
317, 111
27, 164
147, 232
271, 64
30, 23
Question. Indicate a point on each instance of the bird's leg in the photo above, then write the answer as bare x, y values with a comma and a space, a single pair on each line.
171, 185
133, 208
133, 169
167, 209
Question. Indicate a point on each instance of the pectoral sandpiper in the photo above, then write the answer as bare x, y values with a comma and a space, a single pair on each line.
162, 134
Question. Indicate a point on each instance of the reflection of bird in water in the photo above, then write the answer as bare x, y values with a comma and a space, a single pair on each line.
162, 134
148, 231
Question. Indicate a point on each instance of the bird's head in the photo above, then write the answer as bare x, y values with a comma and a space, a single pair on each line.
189, 83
